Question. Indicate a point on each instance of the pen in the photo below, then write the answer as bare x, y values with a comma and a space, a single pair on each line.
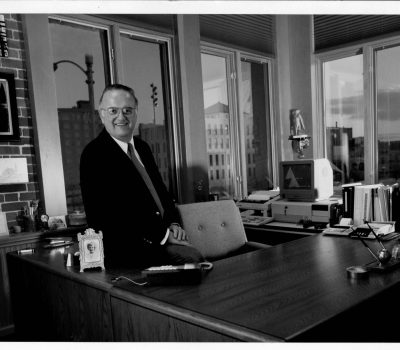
25, 251
58, 245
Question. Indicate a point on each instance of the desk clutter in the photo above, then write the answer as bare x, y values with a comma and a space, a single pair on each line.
56, 242
375, 202
263, 207
384, 230
384, 259
176, 274
167, 275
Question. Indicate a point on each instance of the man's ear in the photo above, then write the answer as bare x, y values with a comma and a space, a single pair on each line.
101, 116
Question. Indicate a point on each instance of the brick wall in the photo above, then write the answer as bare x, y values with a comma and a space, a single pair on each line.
14, 197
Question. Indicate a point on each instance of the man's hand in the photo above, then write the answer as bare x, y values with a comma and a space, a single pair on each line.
177, 235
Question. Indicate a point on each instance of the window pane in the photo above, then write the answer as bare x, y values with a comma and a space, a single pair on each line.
216, 114
143, 72
388, 107
344, 118
256, 125
75, 45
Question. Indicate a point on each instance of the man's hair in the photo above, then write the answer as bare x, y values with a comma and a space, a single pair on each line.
119, 87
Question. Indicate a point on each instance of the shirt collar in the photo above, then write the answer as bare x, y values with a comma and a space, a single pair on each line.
124, 145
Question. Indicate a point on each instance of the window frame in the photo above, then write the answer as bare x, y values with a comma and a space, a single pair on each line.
370, 104
44, 106
238, 153
170, 103
268, 83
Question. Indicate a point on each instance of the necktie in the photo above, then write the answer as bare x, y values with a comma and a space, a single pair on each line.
145, 176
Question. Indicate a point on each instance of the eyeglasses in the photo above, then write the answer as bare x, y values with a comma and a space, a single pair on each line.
114, 111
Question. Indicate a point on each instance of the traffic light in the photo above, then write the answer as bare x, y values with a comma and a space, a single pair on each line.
154, 94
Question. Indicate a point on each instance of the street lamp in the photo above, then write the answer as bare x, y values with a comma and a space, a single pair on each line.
89, 76
154, 97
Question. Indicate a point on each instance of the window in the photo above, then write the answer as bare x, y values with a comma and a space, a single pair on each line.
144, 62
362, 128
76, 42
387, 113
217, 109
256, 119
344, 117
77, 49
246, 119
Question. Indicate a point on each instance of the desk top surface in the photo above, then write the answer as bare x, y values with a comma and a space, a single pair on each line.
280, 291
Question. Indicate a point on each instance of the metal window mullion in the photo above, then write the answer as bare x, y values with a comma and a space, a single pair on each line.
370, 139
275, 131
116, 55
319, 120
234, 125
269, 106
241, 132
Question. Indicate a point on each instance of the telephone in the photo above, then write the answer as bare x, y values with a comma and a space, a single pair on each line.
176, 274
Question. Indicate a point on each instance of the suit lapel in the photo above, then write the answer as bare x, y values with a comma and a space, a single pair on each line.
124, 163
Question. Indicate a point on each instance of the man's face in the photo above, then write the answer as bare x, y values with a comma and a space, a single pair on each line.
118, 112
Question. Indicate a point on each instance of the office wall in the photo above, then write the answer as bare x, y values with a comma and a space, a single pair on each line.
14, 196
293, 60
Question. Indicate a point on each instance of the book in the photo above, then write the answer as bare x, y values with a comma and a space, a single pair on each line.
395, 209
348, 198
365, 203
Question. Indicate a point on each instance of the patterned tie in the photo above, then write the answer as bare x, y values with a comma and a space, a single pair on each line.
145, 177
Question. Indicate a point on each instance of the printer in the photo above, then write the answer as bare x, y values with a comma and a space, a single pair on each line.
325, 211
259, 202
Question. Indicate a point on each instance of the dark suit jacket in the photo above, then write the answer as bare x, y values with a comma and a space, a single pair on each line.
117, 200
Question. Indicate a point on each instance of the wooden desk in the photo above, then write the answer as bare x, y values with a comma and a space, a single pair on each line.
297, 291
12, 243
275, 232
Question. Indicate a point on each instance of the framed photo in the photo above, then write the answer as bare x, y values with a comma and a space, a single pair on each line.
57, 222
9, 128
91, 252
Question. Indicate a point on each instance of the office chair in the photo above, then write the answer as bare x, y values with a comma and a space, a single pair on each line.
216, 229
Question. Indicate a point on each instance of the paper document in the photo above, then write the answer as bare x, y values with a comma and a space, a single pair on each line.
256, 220
263, 195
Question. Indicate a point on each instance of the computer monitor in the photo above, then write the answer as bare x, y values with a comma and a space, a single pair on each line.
306, 180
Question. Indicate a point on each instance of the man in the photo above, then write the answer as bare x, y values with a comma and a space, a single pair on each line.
137, 216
